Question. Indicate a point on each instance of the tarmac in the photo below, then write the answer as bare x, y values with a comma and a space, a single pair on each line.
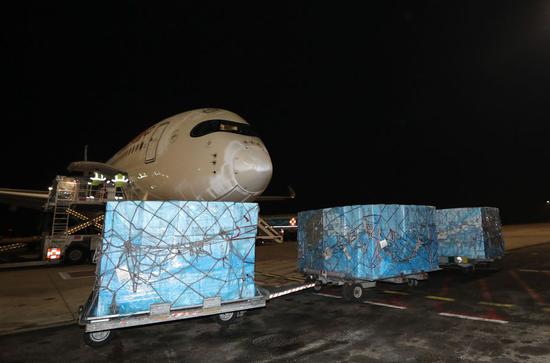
497, 316
42, 297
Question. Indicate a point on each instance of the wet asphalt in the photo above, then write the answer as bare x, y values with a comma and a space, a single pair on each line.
391, 323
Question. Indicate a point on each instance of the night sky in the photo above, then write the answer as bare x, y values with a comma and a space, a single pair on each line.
412, 102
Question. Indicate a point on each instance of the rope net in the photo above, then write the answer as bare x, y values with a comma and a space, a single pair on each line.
475, 233
368, 242
174, 252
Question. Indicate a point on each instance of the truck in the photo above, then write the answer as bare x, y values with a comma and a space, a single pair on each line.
74, 215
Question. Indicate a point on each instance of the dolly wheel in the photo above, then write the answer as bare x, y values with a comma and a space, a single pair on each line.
412, 282
357, 291
98, 338
318, 286
225, 319
347, 292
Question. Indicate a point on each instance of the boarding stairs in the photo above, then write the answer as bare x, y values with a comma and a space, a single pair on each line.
266, 232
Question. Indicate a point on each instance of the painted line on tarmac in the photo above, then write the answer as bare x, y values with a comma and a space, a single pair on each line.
400, 307
65, 276
393, 292
470, 317
440, 298
68, 276
488, 297
490, 303
327, 295
537, 271
534, 295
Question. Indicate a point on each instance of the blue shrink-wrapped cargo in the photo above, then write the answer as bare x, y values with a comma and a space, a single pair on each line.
368, 242
475, 233
175, 252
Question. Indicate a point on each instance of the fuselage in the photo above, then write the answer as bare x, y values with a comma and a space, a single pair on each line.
204, 154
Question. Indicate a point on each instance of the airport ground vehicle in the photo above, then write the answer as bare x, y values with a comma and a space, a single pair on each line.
285, 225
71, 249
355, 289
98, 330
74, 217
72, 221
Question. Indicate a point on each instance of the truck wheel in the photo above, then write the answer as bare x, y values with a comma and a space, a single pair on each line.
98, 338
74, 255
226, 319
412, 282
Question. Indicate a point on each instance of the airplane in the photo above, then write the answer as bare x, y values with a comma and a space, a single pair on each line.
207, 154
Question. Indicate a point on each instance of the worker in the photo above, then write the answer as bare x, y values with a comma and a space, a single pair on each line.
119, 181
96, 184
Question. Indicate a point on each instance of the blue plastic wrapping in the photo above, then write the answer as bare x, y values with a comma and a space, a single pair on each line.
175, 252
368, 242
475, 233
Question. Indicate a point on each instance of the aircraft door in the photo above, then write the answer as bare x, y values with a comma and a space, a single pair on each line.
152, 145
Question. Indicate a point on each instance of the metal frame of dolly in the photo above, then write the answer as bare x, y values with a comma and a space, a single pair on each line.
353, 289
98, 330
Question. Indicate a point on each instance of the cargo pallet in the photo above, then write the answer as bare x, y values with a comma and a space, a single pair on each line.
353, 289
98, 329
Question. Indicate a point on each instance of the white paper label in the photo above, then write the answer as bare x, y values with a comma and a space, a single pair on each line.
383, 243
327, 253
122, 275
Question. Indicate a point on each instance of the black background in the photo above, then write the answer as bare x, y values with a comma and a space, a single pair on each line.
424, 102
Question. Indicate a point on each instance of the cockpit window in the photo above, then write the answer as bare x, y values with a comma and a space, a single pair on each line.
210, 126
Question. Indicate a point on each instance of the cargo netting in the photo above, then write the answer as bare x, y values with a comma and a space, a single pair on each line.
368, 242
176, 252
475, 233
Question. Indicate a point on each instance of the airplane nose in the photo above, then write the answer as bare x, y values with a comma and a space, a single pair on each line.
253, 168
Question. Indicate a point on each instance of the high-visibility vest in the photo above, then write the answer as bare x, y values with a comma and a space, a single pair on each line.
120, 180
97, 179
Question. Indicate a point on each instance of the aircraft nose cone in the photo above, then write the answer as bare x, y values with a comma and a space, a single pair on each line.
253, 169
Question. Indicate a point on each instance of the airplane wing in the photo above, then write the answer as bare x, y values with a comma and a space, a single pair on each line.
33, 199
91, 166
270, 198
